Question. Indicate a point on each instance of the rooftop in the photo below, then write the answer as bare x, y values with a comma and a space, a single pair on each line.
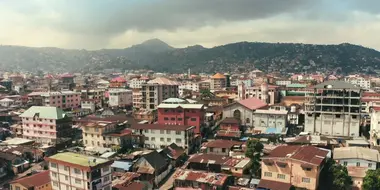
35, 180
78, 159
219, 143
252, 103
44, 112
218, 76
356, 153
336, 84
162, 127
200, 176
162, 81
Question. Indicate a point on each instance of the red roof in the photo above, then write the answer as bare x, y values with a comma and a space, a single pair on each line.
371, 94
35, 180
118, 79
252, 103
273, 185
222, 144
67, 75
162, 127
205, 158
309, 154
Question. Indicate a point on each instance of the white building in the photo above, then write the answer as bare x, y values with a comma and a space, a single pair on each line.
120, 97
6, 102
137, 82
88, 104
360, 81
159, 136
375, 126
191, 86
272, 120
71, 171
283, 82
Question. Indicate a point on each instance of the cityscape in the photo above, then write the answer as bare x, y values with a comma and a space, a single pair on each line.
189, 95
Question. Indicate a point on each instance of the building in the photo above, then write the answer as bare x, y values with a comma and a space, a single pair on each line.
157, 90
184, 179
218, 82
118, 82
283, 82
299, 166
222, 147
375, 127
75, 171
362, 82
176, 111
269, 94
159, 136
47, 125
88, 104
39, 181
243, 110
137, 82
190, 86
333, 108
271, 121
94, 94
119, 97
370, 100
62, 99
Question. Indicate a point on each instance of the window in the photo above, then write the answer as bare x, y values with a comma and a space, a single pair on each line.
107, 178
268, 174
178, 132
358, 164
147, 138
223, 150
168, 139
193, 119
162, 139
77, 171
53, 165
168, 131
280, 176
179, 119
211, 149
54, 174
247, 120
152, 131
178, 140
152, 138
345, 163
77, 181
107, 188
162, 131
165, 118
173, 119
370, 165
54, 184
146, 131
66, 168
106, 169
66, 177
305, 180
165, 110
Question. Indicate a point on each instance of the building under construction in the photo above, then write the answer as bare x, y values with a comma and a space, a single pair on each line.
333, 108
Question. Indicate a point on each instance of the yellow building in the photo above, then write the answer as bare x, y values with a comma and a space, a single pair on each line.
39, 181
297, 166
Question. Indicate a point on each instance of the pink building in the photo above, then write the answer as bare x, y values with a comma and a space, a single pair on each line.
46, 125
63, 99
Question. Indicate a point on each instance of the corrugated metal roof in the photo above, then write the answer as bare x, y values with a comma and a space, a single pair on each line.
185, 106
44, 112
356, 153
336, 84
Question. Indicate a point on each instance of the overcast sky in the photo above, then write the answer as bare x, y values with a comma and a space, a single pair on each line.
96, 24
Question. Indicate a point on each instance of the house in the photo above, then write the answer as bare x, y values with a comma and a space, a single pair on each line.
14, 162
47, 125
120, 97
271, 121
38, 181
89, 104
71, 170
6, 102
229, 129
221, 147
357, 160
160, 135
152, 167
175, 154
121, 166
243, 110
176, 111
201, 180
287, 166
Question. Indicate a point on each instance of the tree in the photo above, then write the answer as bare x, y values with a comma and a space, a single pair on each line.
335, 177
206, 93
371, 180
254, 150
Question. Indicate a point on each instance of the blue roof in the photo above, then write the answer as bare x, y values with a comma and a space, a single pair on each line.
122, 165
273, 130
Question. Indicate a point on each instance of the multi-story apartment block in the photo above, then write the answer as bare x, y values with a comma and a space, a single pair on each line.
190, 86
272, 120
175, 111
297, 166
38, 181
136, 97
47, 125
160, 136
63, 99
204, 85
375, 126
75, 171
93, 133
157, 90
218, 82
333, 108
94, 94
362, 82
138, 82
120, 97
267, 93
118, 82
89, 104
370, 100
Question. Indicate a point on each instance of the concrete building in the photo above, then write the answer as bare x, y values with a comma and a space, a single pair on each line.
243, 110
94, 94
333, 108
175, 111
47, 125
62, 99
39, 181
136, 85
283, 82
75, 171
157, 90
269, 94
375, 127
89, 104
360, 81
190, 86
218, 82
272, 120
137, 82
299, 166
159, 136
119, 97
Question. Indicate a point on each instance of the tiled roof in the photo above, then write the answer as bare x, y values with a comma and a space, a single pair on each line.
222, 144
162, 127
35, 180
309, 154
218, 76
252, 103
118, 79
163, 81
273, 185
44, 112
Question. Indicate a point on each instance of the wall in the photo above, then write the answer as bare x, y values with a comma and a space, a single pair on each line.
191, 117
244, 113
353, 162
169, 137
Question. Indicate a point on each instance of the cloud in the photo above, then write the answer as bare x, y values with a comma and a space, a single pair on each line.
120, 23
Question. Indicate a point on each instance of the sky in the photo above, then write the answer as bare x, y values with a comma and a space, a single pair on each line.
97, 24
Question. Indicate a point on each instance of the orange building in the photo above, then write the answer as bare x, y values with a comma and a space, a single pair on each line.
39, 181
118, 82
297, 166
218, 81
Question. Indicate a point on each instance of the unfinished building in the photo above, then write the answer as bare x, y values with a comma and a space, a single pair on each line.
333, 108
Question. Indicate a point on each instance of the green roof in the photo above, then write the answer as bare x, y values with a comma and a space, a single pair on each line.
78, 159
44, 112
296, 85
